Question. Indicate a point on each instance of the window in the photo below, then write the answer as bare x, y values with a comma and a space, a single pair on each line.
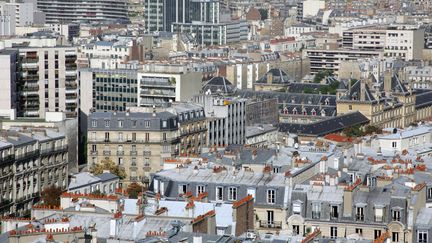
395, 236
107, 123
396, 214
164, 136
359, 231
200, 189
271, 196
422, 237
334, 213
394, 144
94, 148
133, 163
219, 193
120, 136
120, 160
429, 194
296, 229
316, 210
134, 123
377, 234
232, 193
94, 123
182, 189
379, 214
333, 232
107, 137
147, 124
360, 213
350, 107
164, 124
147, 137
120, 123
297, 208
133, 136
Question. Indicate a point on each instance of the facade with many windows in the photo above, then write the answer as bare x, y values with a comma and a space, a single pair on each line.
29, 162
136, 141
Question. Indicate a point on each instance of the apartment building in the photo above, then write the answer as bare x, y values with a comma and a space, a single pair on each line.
30, 161
368, 212
220, 33
84, 11
321, 59
226, 119
420, 77
158, 88
404, 42
45, 79
269, 191
112, 89
394, 108
106, 54
136, 141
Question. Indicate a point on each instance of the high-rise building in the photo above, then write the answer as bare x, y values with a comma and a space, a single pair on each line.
45, 80
84, 11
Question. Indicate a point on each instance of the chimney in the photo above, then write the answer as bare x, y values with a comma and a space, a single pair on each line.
387, 81
243, 215
269, 78
362, 90
197, 239
205, 223
114, 224
348, 198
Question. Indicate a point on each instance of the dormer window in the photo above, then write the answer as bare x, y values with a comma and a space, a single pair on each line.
297, 207
313, 112
294, 111
326, 101
304, 112
360, 213
429, 193
285, 110
94, 123
316, 210
323, 113
396, 214
379, 212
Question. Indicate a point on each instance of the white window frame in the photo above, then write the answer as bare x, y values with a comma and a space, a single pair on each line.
217, 196
333, 232
424, 238
200, 189
232, 194
296, 208
182, 189
271, 196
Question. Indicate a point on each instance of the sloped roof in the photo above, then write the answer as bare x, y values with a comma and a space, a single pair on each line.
323, 127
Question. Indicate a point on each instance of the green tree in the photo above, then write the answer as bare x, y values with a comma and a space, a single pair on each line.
134, 189
354, 131
51, 195
370, 129
107, 164
264, 13
321, 75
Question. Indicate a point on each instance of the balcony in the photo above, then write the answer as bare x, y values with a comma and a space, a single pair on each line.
30, 65
7, 158
270, 224
133, 153
94, 152
120, 153
69, 73
27, 155
106, 152
359, 217
58, 149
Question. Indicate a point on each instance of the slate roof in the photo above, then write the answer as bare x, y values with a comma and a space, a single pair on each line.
355, 93
291, 98
323, 127
219, 85
423, 99
279, 77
